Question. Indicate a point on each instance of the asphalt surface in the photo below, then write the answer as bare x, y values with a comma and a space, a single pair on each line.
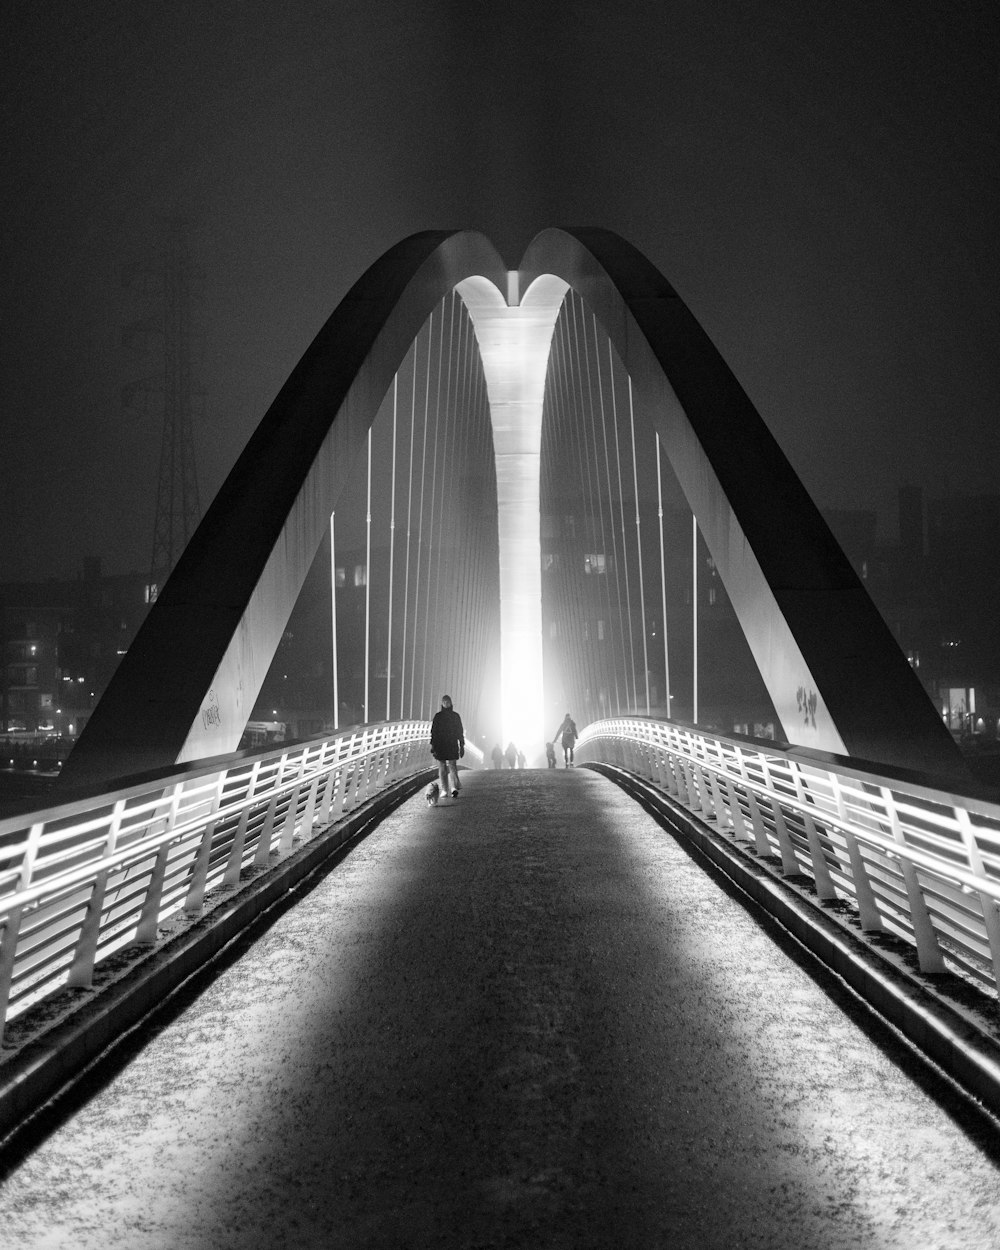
523, 1019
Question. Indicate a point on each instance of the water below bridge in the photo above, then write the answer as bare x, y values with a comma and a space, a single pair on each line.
525, 1018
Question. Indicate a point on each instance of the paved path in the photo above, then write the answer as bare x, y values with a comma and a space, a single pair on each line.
524, 1019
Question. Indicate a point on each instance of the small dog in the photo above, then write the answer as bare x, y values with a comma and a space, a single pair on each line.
432, 794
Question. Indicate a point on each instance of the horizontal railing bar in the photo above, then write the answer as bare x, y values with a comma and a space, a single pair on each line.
893, 846
152, 848
894, 850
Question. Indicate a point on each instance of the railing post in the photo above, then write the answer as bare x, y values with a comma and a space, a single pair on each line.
291, 819
929, 954
149, 919
868, 912
81, 972
991, 913
195, 899
789, 861
825, 889
340, 802
761, 844
263, 852
11, 929
705, 795
736, 811
234, 865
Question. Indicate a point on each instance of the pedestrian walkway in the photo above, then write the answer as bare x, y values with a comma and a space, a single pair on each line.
524, 1018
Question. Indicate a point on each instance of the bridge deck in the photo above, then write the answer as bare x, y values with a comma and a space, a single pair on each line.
525, 1018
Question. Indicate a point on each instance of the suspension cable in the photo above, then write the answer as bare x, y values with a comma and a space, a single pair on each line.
392, 544
368, 576
694, 618
333, 619
663, 579
638, 547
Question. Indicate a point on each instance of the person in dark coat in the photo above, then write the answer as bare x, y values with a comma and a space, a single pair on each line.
567, 734
447, 746
511, 755
497, 755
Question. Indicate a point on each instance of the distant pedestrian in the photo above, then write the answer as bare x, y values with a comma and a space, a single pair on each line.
511, 755
550, 754
522, 760
567, 735
448, 746
497, 756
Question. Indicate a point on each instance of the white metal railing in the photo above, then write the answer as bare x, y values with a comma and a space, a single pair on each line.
916, 861
83, 879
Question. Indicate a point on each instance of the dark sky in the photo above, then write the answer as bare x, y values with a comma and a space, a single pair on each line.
818, 180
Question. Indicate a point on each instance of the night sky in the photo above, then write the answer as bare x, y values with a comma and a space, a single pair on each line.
818, 181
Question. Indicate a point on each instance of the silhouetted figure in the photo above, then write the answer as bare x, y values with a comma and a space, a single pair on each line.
511, 754
522, 759
567, 735
497, 756
448, 746
550, 754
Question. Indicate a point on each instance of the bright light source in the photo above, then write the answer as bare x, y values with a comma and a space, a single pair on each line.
514, 345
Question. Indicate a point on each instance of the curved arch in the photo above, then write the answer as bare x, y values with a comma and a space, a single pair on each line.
838, 680
217, 623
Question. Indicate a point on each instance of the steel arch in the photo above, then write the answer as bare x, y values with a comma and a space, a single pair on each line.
186, 686
188, 683
810, 623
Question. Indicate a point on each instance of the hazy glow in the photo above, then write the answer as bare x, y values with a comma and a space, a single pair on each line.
514, 344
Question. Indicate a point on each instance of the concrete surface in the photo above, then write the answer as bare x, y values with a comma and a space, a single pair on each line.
522, 1019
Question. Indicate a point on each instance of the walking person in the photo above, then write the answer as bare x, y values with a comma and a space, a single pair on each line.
567, 734
510, 755
447, 746
497, 755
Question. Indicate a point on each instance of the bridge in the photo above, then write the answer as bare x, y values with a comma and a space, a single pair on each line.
522, 474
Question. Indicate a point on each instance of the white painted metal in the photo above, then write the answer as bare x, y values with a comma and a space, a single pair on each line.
82, 880
514, 347
919, 862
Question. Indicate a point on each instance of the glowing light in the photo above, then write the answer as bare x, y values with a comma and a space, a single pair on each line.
514, 341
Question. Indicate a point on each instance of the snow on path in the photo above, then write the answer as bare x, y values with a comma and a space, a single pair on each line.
523, 1019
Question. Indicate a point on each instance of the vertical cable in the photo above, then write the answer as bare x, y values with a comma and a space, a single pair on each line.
663, 580
368, 574
590, 469
638, 547
333, 617
611, 513
409, 508
392, 546
439, 682
420, 521
694, 618
602, 583
621, 495
426, 699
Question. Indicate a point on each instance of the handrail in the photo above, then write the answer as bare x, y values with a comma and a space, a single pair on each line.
81, 879
920, 862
